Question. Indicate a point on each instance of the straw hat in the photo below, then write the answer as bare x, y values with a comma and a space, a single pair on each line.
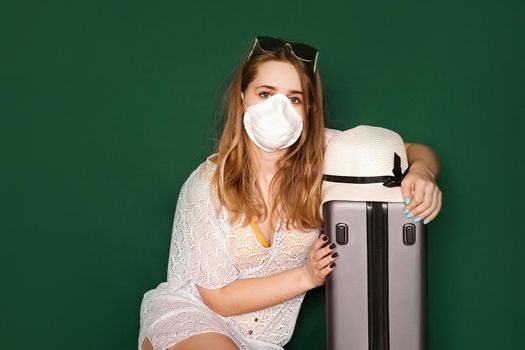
365, 163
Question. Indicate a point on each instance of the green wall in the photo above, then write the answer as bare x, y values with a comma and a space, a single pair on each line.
106, 107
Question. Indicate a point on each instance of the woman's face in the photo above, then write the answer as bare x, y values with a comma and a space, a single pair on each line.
273, 77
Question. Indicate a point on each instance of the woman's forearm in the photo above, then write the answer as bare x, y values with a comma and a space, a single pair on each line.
424, 158
247, 295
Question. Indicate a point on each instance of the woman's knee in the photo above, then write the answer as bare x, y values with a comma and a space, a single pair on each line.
205, 341
146, 344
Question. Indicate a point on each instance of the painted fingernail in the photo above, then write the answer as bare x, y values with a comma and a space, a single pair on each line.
406, 211
426, 222
335, 255
325, 238
407, 200
332, 264
332, 246
417, 219
410, 215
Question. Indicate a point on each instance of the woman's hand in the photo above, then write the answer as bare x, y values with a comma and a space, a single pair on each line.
422, 195
320, 261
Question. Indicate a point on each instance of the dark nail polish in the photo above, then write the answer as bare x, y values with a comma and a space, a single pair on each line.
332, 246
325, 238
335, 255
332, 264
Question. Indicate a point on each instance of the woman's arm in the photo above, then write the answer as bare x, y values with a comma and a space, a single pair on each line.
252, 294
419, 188
423, 158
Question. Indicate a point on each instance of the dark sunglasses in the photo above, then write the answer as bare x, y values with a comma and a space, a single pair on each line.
304, 52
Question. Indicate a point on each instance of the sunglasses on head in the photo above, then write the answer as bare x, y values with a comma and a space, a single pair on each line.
304, 52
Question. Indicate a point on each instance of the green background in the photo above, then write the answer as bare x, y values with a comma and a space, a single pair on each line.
106, 107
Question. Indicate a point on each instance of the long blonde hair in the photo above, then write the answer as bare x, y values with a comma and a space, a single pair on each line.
296, 186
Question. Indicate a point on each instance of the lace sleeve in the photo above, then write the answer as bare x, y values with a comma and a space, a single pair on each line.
329, 134
199, 246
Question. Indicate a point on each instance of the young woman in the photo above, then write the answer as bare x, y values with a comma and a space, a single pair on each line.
246, 244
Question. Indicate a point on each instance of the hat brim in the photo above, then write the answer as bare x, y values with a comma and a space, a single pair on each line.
361, 192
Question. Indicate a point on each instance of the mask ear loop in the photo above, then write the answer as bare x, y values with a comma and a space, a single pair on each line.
243, 102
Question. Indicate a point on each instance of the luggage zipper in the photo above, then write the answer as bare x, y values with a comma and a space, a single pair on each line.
377, 256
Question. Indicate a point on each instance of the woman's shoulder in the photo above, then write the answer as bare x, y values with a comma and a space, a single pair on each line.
198, 187
198, 191
202, 175
329, 133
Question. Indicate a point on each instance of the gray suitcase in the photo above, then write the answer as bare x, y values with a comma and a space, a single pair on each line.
376, 295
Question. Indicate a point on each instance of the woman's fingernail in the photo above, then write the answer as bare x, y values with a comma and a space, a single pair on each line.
332, 264
332, 246
417, 219
410, 215
406, 211
426, 221
335, 255
407, 200
325, 238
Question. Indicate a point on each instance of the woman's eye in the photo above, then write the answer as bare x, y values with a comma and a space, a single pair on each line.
295, 100
265, 94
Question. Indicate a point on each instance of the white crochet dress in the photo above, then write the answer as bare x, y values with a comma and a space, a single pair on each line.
207, 251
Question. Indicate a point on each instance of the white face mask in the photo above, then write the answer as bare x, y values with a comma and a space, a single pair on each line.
273, 124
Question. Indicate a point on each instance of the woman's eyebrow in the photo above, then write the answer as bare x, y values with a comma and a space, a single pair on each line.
275, 89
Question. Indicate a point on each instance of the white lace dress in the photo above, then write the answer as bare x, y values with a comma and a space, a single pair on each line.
207, 251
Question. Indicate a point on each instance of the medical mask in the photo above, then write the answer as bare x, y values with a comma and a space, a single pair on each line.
273, 124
